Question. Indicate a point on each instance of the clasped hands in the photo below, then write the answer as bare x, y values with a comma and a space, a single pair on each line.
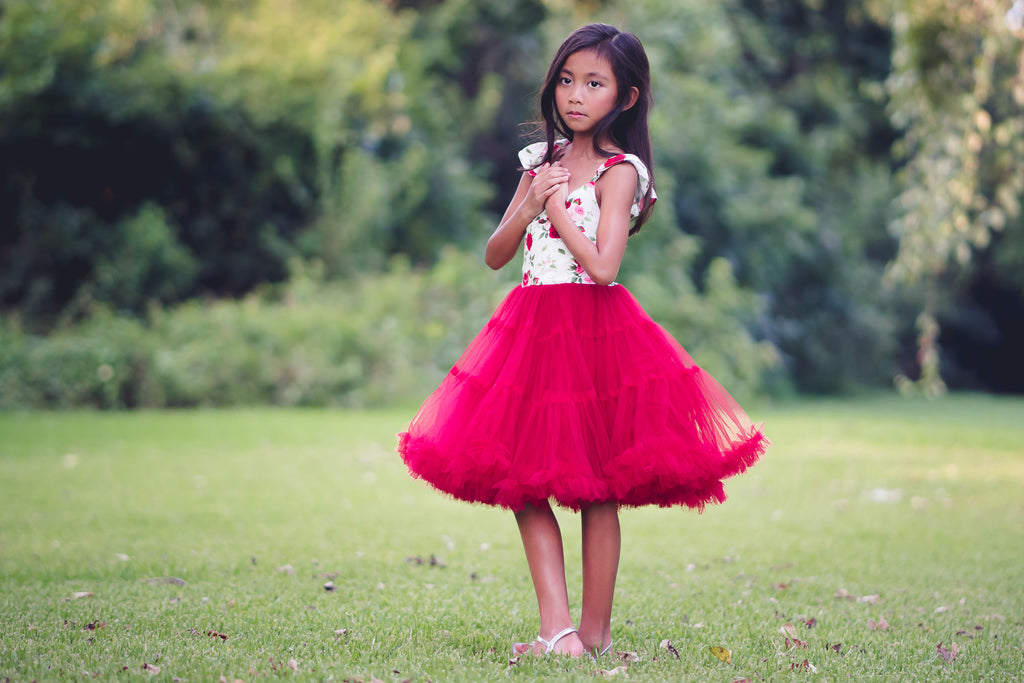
550, 184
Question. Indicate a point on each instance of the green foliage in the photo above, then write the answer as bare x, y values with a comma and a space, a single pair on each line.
956, 91
379, 339
159, 153
146, 263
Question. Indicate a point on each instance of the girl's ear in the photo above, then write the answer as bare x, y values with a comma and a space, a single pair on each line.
634, 95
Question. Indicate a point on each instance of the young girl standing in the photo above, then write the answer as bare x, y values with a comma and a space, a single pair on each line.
571, 392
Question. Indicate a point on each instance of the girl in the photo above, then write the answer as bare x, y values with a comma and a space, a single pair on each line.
571, 392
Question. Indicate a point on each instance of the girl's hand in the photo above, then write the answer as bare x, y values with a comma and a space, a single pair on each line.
550, 179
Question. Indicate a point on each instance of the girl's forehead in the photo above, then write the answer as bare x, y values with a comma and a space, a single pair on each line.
587, 62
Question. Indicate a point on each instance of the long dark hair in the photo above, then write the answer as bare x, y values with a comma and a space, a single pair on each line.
626, 128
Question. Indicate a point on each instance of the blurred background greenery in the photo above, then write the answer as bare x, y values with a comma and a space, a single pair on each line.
285, 201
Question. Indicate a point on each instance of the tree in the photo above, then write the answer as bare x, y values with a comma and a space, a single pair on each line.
956, 92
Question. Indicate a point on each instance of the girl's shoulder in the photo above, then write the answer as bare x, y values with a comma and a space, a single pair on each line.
643, 179
532, 156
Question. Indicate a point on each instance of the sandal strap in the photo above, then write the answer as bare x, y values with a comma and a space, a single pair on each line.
549, 645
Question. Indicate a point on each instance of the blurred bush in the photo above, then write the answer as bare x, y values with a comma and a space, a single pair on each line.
381, 339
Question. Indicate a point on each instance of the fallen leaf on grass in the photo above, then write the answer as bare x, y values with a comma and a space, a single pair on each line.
286, 569
79, 595
627, 658
667, 645
617, 671
94, 625
341, 632
792, 641
843, 594
947, 655
811, 623
330, 587
722, 653
214, 634
879, 625
173, 580
804, 665
150, 668
293, 665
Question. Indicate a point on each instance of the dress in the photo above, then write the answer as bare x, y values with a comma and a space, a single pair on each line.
572, 394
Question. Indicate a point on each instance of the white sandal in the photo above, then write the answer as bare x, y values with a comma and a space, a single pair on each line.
549, 645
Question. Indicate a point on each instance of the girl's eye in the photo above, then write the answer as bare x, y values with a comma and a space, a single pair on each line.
564, 80
594, 84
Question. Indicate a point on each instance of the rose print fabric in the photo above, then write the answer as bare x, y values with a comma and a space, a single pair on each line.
546, 259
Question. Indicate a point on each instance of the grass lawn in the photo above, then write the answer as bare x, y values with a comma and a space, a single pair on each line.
879, 538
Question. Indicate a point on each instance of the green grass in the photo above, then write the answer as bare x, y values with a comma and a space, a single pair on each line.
100, 503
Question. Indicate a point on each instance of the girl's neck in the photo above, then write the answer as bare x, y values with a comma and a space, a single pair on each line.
582, 148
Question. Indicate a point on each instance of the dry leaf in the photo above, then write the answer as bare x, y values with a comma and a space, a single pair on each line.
173, 580
811, 623
94, 625
222, 636
948, 655
870, 599
81, 594
879, 625
722, 653
286, 569
617, 671
330, 587
666, 645
150, 668
804, 665
627, 657
341, 632
293, 665
788, 629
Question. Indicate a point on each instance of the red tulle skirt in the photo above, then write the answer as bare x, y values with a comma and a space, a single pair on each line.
572, 393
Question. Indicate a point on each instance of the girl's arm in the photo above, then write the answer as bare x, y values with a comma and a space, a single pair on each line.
600, 260
527, 202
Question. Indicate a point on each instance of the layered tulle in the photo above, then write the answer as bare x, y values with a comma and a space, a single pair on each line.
572, 393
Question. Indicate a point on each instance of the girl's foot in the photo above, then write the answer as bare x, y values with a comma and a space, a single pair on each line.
565, 642
597, 650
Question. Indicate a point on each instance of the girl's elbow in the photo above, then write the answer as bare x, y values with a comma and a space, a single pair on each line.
604, 277
494, 261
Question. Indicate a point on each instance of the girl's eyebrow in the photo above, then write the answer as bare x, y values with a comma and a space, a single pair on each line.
592, 74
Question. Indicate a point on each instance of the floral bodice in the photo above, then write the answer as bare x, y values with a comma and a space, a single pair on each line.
546, 259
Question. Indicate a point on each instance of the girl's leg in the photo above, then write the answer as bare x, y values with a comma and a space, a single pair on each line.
601, 545
542, 540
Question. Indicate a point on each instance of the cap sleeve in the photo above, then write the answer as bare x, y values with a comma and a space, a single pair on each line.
531, 156
643, 180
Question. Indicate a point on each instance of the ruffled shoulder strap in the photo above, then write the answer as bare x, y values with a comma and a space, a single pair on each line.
643, 180
531, 156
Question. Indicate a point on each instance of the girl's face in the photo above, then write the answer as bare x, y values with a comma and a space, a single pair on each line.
586, 91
